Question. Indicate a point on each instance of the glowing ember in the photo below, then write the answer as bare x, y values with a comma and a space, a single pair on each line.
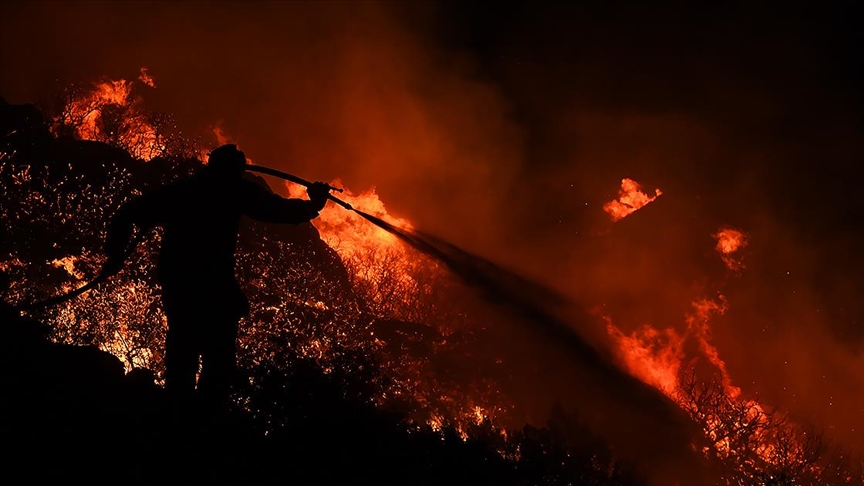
730, 241
68, 264
146, 78
630, 199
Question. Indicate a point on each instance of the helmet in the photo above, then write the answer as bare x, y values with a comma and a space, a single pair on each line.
226, 159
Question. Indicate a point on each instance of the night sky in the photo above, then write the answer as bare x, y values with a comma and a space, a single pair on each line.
522, 120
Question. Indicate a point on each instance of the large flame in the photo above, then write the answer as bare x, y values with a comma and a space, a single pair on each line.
348, 231
656, 356
653, 355
356, 239
109, 111
745, 434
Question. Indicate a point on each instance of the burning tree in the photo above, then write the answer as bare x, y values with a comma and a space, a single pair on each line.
759, 446
112, 111
752, 443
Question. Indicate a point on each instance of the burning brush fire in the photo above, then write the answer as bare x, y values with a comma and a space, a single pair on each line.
111, 111
746, 435
384, 292
364, 292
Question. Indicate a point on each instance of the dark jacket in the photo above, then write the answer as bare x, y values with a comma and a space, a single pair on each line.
200, 218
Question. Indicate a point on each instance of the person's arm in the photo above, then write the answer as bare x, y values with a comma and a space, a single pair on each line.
144, 211
262, 205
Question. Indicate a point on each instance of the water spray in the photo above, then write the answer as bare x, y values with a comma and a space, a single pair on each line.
497, 283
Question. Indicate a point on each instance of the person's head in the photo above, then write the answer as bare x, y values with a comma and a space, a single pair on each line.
226, 161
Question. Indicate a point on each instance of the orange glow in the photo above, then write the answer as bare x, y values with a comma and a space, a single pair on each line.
109, 112
630, 199
730, 241
658, 354
221, 136
698, 324
88, 108
146, 78
68, 264
435, 422
656, 357
652, 355
351, 235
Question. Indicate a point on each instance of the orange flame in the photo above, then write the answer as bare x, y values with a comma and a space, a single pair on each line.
698, 325
656, 356
729, 241
630, 199
146, 78
108, 112
221, 135
351, 235
652, 355
89, 107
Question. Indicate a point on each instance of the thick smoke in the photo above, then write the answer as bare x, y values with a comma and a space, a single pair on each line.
509, 141
322, 90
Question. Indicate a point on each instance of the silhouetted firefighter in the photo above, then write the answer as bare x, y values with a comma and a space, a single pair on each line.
200, 218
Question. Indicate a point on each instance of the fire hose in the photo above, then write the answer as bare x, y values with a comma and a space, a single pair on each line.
104, 275
298, 180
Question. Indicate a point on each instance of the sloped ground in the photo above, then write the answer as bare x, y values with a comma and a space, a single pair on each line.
70, 412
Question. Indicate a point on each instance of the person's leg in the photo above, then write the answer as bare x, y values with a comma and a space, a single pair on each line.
181, 355
218, 360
